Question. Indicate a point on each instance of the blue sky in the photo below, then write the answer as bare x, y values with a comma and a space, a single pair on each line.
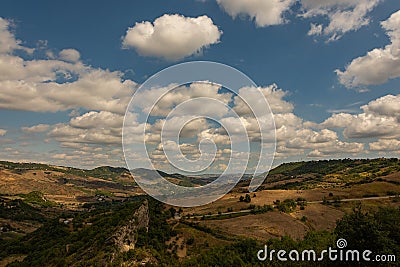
271, 43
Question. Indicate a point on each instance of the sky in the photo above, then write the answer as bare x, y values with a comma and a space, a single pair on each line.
329, 70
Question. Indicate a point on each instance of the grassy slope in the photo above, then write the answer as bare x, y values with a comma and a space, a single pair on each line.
330, 173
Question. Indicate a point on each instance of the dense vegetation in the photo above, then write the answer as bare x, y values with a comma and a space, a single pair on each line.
37, 198
105, 172
331, 173
346, 166
85, 237
378, 231
18, 210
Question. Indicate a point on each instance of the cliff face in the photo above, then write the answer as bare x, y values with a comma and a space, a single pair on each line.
125, 237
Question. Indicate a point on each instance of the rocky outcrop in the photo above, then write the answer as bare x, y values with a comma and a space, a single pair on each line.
125, 237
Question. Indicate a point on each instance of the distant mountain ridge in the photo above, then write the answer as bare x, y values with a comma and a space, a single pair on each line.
119, 180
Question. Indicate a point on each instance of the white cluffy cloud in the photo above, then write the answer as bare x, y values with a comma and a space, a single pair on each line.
378, 65
63, 83
172, 37
8, 42
343, 15
51, 85
380, 119
40, 128
71, 55
295, 137
264, 13
385, 145
316, 29
174, 96
99, 98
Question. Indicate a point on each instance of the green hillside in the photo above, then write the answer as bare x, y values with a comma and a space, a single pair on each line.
330, 173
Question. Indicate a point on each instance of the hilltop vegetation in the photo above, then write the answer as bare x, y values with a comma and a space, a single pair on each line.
296, 175
104, 172
18, 210
380, 166
329, 173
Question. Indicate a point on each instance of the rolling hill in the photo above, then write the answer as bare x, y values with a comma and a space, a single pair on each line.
72, 217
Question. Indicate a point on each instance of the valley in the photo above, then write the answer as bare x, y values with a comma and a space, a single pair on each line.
100, 215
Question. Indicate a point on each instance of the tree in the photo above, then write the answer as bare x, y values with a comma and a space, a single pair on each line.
172, 211
246, 198
378, 232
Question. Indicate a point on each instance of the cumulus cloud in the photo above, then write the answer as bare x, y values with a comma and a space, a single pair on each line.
388, 105
8, 42
316, 154
35, 71
93, 119
315, 29
380, 118
167, 98
40, 128
93, 135
378, 65
59, 84
172, 37
264, 13
65, 133
343, 15
306, 138
385, 145
93, 128
49, 85
295, 137
272, 93
71, 55
363, 125
40, 92
190, 128
338, 148
86, 156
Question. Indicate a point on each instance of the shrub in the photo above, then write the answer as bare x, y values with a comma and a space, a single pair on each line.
190, 241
